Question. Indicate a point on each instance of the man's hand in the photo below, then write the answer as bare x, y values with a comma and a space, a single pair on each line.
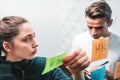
110, 75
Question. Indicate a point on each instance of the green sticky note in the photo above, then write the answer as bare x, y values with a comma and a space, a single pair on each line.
54, 62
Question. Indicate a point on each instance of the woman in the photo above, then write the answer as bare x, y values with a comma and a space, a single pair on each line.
19, 46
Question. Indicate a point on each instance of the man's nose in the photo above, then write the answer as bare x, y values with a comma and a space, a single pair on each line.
93, 31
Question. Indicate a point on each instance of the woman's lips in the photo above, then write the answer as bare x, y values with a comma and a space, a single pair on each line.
34, 52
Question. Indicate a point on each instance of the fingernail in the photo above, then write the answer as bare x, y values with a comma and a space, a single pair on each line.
65, 61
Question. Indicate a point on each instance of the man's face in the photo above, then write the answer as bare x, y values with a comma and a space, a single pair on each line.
97, 27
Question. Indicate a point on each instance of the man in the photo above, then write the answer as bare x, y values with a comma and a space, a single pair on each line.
98, 19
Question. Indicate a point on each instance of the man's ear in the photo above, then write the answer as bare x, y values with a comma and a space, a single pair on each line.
7, 46
110, 22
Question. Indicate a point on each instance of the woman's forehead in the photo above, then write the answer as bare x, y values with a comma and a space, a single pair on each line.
26, 29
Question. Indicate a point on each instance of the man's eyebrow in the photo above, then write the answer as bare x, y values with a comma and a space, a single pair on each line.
89, 26
95, 27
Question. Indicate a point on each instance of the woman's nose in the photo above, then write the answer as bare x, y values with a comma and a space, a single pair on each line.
35, 44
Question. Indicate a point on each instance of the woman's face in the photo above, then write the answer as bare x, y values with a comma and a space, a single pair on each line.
24, 44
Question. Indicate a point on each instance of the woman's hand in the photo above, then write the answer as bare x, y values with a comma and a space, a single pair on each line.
77, 61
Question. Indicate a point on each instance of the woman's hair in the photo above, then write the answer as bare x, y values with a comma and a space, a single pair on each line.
99, 9
9, 28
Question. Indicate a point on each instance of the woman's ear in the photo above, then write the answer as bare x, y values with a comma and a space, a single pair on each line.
7, 46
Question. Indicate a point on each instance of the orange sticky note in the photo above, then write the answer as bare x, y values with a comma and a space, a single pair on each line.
100, 49
117, 71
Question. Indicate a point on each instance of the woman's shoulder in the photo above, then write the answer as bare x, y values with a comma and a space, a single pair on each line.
35, 67
39, 59
38, 62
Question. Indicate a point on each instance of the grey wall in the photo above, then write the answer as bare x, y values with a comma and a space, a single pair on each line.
55, 22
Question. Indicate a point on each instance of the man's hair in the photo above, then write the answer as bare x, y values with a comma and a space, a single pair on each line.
99, 9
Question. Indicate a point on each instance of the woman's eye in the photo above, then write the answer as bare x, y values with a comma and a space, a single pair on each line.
29, 39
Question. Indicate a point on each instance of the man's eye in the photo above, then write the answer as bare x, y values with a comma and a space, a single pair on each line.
90, 27
99, 28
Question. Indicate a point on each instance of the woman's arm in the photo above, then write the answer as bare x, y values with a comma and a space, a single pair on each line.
79, 76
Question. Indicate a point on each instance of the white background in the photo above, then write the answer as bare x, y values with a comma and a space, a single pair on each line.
55, 22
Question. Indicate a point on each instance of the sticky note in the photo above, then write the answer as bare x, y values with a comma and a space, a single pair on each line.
98, 74
100, 49
54, 62
117, 71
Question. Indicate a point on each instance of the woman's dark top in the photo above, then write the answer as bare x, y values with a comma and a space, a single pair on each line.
29, 70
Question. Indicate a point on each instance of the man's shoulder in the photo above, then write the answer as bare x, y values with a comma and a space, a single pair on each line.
115, 36
114, 40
